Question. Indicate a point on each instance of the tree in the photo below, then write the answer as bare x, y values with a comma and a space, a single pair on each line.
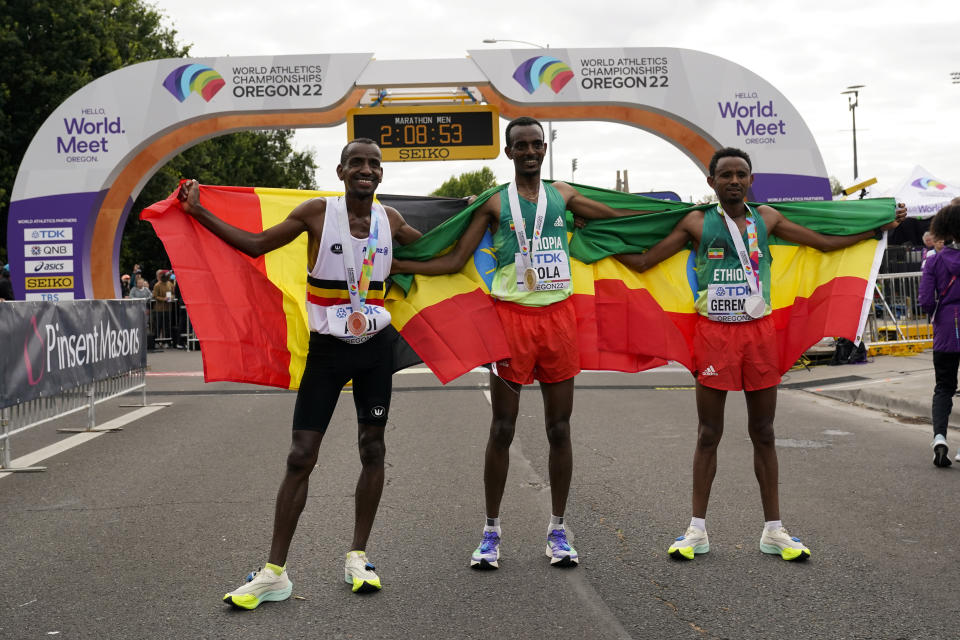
836, 187
51, 48
470, 183
244, 159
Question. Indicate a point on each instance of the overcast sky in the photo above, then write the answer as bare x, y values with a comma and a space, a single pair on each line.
903, 52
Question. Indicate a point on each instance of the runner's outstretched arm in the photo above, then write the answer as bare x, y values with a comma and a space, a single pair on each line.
453, 261
684, 232
583, 207
252, 244
782, 227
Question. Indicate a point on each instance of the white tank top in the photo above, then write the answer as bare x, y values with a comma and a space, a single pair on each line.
328, 299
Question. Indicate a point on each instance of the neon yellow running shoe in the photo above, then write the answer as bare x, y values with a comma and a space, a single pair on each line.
688, 545
358, 572
781, 543
262, 585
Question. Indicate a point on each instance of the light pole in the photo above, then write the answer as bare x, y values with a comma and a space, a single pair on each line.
853, 93
551, 136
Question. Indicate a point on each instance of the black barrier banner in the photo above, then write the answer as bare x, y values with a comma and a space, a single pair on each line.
49, 347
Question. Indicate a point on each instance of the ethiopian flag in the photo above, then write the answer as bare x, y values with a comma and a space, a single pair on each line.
250, 318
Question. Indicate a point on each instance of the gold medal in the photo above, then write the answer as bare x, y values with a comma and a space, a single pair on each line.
356, 323
530, 278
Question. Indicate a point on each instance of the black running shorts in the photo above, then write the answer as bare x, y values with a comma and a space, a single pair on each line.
330, 364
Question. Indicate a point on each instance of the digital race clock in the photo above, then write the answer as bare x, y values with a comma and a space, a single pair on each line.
450, 132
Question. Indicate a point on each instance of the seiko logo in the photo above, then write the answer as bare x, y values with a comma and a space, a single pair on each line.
336, 248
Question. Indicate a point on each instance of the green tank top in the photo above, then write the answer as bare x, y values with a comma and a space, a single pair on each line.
551, 259
721, 283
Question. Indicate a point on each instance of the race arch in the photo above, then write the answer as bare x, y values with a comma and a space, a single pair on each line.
93, 155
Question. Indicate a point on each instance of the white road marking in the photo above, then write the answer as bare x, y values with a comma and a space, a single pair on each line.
587, 594
31, 459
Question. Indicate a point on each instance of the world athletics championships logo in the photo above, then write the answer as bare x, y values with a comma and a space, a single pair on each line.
193, 78
543, 70
927, 183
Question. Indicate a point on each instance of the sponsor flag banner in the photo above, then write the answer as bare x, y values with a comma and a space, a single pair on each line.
249, 313
52, 347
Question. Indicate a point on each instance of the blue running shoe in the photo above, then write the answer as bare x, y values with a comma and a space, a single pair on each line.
559, 551
487, 555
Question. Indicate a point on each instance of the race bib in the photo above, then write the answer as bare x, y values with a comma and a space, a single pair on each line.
378, 318
726, 302
553, 270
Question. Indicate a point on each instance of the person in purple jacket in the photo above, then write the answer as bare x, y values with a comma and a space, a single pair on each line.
940, 299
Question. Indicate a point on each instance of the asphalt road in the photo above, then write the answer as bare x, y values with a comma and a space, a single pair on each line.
138, 534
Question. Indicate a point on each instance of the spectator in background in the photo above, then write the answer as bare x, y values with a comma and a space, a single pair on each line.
940, 298
929, 247
125, 285
163, 305
6, 287
141, 291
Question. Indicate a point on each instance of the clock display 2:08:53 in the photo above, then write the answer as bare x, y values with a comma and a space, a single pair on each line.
421, 134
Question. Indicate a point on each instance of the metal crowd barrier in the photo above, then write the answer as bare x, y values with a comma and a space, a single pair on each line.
168, 325
896, 323
118, 369
32, 413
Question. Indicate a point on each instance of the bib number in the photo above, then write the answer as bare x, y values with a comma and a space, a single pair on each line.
377, 318
553, 271
733, 303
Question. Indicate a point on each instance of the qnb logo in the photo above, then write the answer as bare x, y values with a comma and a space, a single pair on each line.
928, 183
193, 78
33, 354
543, 70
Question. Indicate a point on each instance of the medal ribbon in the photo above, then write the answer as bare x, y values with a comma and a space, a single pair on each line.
528, 248
750, 262
358, 292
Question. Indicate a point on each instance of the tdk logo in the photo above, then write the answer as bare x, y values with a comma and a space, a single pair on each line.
51, 233
336, 248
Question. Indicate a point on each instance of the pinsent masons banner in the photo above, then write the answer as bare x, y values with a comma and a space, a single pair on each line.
50, 347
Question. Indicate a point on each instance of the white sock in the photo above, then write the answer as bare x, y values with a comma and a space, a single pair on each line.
772, 525
493, 524
556, 522
699, 523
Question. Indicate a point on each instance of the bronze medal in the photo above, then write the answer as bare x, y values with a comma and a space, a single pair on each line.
357, 323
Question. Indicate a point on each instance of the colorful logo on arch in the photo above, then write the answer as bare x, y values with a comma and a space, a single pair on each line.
928, 183
543, 70
193, 78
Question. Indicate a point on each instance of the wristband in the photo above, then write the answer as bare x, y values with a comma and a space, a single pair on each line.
878, 234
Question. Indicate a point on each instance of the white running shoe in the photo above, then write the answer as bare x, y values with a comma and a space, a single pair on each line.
691, 543
358, 572
781, 543
487, 555
262, 585
559, 550
941, 453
